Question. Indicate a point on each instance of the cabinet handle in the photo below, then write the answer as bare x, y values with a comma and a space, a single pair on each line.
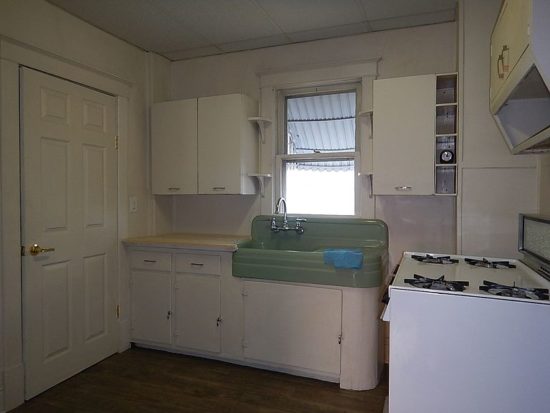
403, 188
505, 60
197, 264
174, 188
150, 261
218, 188
500, 64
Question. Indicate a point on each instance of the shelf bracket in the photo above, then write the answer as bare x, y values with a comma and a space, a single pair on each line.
262, 123
262, 178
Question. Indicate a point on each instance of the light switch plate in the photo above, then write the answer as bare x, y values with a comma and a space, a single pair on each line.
133, 203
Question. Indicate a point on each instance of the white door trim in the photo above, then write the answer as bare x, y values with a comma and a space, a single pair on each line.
12, 56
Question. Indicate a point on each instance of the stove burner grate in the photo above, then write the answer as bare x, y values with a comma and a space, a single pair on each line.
484, 262
431, 259
436, 283
513, 291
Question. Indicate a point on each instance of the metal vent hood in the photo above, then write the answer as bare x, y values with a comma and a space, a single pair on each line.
521, 106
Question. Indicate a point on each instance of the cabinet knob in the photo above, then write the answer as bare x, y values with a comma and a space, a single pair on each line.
403, 188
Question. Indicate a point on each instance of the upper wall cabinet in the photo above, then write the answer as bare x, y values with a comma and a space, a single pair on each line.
228, 144
174, 147
403, 135
204, 146
520, 75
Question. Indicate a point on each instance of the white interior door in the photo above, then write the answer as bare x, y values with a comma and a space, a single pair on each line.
68, 202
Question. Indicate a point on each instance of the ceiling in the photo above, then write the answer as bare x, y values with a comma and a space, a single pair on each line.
183, 29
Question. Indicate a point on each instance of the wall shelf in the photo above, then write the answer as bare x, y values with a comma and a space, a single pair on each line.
262, 123
446, 134
262, 178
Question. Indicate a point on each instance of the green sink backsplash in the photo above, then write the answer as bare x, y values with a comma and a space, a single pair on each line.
291, 257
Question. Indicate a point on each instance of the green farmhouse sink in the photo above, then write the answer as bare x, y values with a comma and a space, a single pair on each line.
292, 257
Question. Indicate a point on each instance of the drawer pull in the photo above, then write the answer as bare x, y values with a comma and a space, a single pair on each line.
197, 264
174, 188
218, 188
150, 261
403, 188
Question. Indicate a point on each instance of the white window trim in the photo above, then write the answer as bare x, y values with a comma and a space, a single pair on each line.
282, 156
363, 72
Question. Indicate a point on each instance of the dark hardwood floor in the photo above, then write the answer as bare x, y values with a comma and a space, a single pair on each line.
140, 380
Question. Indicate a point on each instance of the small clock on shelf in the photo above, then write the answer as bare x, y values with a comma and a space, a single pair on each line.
446, 156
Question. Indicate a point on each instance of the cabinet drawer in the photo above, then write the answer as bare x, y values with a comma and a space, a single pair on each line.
198, 263
145, 260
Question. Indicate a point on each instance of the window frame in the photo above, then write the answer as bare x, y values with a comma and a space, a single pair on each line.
282, 139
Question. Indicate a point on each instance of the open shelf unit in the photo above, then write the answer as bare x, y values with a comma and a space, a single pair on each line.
446, 134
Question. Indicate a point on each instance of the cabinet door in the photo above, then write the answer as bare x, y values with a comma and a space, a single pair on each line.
197, 312
403, 135
509, 40
293, 325
220, 122
151, 306
174, 147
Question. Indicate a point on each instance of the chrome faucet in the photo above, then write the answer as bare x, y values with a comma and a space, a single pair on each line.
280, 207
282, 203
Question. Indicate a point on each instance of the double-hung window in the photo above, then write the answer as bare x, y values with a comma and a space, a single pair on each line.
318, 150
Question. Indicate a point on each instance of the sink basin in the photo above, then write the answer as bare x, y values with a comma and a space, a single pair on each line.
291, 257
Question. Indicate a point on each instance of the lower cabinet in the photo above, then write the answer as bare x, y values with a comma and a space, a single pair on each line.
176, 299
293, 325
197, 312
152, 306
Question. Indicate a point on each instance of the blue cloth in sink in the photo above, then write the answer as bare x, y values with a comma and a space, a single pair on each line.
343, 258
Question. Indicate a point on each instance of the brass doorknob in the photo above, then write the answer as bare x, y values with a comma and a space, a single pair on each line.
36, 249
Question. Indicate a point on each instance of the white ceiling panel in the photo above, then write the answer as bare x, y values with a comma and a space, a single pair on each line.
328, 32
385, 9
255, 43
140, 22
222, 20
183, 29
296, 16
190, 53
411, 21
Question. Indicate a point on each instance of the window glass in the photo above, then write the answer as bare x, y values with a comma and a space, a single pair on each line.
319, 160
321, 123
320, 187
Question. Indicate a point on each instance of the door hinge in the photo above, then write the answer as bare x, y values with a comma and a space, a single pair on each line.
118, 311
23, 250
244, 293
116, 142
340, 337
218, 321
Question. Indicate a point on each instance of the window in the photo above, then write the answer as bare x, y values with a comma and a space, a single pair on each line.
318, 151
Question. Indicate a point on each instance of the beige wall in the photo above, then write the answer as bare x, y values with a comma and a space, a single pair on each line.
421, 50
494, 185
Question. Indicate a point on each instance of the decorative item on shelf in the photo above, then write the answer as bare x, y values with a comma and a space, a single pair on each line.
262, 123
262, 181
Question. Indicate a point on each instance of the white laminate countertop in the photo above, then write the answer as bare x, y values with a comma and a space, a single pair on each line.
214, 242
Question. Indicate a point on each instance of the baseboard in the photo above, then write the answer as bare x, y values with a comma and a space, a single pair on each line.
295, 371
14, 386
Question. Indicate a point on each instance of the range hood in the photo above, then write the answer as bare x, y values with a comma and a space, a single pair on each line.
520, 75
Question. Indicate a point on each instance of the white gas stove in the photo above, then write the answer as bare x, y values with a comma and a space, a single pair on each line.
470, 335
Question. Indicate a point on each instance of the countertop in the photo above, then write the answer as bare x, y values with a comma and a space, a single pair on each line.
214, 242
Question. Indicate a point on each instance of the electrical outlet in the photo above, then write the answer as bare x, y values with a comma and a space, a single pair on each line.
133, 201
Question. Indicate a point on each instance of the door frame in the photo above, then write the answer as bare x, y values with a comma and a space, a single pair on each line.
12, 57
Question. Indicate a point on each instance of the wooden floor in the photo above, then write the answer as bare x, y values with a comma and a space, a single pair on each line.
141, 380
